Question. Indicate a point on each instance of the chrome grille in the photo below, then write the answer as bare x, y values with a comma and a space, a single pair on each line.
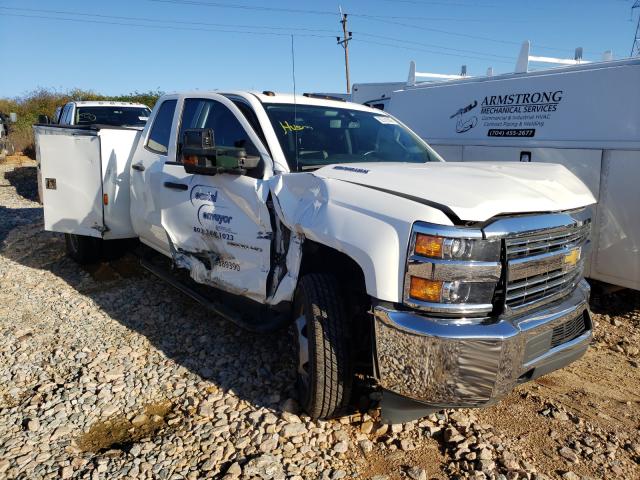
569, 330
529, 289
540, 266
547, 242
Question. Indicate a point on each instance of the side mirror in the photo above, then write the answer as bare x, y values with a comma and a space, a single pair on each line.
200, 155
44, 119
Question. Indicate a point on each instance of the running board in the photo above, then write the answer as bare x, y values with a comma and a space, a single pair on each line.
265, 323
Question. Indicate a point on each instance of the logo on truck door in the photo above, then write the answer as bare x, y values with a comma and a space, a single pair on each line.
208, 215
203, 193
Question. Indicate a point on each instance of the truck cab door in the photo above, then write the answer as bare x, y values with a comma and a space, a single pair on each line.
218, 226
156, 146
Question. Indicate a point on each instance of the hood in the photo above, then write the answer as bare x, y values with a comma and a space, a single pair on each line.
472, 191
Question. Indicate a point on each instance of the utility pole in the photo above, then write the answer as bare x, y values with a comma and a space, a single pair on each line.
635, 49
344, 41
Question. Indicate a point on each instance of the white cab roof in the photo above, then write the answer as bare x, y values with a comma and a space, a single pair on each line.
275, 97
100, 103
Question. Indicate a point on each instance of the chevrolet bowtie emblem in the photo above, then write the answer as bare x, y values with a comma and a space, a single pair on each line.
571, 258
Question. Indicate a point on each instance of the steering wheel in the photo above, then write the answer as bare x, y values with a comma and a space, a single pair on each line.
370, 152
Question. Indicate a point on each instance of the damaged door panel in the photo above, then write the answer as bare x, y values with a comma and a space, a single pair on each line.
219, 229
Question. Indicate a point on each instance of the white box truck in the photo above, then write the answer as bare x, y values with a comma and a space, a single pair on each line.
584, 116
446, 283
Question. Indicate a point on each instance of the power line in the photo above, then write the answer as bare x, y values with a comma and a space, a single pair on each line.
245, 7
117, 20
444, 4
433, 52
158, 20
328, 12
389, 19
459, 50
164, 27
266, 27
462, 35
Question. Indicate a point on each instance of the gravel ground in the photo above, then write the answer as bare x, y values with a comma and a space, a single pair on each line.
107, 373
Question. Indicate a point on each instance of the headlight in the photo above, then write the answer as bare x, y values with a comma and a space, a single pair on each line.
452, 272
433, 246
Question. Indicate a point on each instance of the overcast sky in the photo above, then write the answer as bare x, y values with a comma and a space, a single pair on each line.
120, 46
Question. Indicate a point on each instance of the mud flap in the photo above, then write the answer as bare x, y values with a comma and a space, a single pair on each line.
398, 409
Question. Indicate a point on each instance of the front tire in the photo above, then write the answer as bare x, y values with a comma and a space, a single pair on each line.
325, 371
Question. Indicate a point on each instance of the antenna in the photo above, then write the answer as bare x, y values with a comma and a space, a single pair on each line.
295, 103
635, 49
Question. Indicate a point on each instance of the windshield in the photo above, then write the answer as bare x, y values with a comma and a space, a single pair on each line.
115, 115
316, 136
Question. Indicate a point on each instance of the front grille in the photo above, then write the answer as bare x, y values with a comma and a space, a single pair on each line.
569, 330
538, 268
530, 289
545, 243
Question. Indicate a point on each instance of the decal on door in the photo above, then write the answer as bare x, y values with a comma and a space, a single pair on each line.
203, 193
214, 219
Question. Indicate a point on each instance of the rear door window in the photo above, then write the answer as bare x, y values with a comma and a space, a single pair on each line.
64, 116
161, 129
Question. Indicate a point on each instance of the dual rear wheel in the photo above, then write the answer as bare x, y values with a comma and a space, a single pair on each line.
86, 250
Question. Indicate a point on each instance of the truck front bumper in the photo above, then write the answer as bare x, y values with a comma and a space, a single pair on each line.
448, 366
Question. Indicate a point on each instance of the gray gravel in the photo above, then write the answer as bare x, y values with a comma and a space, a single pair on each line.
108, 373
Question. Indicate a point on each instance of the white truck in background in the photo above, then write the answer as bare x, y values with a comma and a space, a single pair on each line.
446, 283
102, 112
89, 113
583, 116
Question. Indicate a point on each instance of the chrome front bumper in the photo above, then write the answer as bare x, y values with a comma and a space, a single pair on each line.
446, 365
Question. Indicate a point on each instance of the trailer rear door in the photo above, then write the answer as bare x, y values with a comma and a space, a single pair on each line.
71, 180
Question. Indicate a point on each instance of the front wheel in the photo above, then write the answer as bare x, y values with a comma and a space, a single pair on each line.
325, 372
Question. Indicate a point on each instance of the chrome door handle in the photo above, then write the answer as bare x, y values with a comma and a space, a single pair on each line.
138, 166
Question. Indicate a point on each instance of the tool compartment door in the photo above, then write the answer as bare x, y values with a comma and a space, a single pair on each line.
71, 173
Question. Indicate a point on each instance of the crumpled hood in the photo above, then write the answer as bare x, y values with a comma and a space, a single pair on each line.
473, 191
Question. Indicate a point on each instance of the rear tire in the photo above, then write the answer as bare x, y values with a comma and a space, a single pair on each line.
114, 249
82, 249
325, 372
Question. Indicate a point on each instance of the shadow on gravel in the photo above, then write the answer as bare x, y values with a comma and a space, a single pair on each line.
25, 181
259, 368
11, 218
619, 302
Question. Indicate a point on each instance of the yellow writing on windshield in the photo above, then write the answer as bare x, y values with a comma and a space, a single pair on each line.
287, 127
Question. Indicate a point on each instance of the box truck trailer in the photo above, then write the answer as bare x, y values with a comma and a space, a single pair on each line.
585, 116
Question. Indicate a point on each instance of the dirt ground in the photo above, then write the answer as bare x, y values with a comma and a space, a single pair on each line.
600, 395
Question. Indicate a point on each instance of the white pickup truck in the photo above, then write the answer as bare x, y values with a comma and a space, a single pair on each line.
102, 112
446, 283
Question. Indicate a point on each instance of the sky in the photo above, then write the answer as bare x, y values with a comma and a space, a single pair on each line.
122, 46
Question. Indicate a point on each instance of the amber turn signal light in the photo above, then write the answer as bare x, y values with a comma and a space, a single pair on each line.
425, 290
428, 246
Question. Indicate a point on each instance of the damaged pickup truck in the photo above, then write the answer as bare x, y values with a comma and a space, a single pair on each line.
447, 284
